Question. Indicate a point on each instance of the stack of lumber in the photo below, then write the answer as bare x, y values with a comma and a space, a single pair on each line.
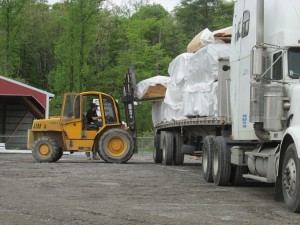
153, 88
207, 37
155, 92
223, 34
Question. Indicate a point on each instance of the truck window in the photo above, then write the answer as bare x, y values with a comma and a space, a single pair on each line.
293, 62
277, 68
246, 23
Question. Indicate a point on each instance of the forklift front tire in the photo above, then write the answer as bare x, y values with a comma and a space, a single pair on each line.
45, 149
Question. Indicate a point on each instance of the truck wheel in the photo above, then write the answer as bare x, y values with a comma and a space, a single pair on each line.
290, 179
221, 167
178, 156
115, 146
237, 178
207, 152
168, 149
45, 149
157, 152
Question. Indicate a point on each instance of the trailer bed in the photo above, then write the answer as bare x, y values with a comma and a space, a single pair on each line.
211, 120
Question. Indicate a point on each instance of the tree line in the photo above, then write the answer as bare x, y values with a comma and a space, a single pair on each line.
81, 45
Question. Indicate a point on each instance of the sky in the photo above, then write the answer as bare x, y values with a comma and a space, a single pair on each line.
167, 4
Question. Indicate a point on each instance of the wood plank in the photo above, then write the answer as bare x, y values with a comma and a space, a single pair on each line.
155, 92
32, 108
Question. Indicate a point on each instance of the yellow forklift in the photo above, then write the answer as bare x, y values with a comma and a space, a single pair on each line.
112, 140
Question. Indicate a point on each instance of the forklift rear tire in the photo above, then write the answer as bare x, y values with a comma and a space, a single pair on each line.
45, 149
168, 149
157, 151
115, 146
178, 156
207, 152
221, 166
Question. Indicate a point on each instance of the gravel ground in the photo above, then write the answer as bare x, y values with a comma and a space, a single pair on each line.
78, 191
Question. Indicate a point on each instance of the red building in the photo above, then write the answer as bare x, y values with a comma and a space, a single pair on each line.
19, 105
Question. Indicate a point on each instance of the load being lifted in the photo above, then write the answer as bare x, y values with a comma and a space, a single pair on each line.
114, 142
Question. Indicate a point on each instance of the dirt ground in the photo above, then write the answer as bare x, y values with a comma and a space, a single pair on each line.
78, 191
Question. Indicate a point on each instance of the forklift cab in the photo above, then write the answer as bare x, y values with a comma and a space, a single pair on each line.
74, 111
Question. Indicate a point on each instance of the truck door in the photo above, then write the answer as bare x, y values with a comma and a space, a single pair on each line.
71, 116
246, 19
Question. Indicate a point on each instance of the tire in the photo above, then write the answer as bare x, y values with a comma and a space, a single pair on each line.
237, 178
45, 149
207, 152
59, 155
290, 179
157, 151
168, 149
221, 167
178, 156
115, 146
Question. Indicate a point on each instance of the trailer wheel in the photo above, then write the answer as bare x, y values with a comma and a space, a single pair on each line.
168, 149
178, 156
115, 146
221, 167
237, 178
157, 152
45, 149
207, 152
290, 179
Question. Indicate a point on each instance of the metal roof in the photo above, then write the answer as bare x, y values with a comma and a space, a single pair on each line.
11, 87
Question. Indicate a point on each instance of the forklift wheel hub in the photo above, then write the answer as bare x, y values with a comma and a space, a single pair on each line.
44, 150
117, 146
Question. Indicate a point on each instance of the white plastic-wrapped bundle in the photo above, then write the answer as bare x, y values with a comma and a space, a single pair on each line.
198, 97
203, 67
198, 104
174, 95
178, 68
192, 90
143, 86
162, 112
156, 113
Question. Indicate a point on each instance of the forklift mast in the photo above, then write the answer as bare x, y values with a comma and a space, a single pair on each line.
128, 101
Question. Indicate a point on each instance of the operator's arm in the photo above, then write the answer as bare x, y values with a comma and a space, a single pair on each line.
96, 117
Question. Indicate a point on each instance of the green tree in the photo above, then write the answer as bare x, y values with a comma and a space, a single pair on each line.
36, 46
11, 16
196, 15
72, 50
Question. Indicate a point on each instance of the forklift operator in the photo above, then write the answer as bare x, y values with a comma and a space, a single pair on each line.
92, 117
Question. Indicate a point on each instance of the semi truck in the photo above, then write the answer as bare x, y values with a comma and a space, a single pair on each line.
256, 134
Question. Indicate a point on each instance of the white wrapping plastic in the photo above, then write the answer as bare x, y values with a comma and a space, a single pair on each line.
215, 93
162, 112
174, 95
203, 67
192, 90
142, 87
178, 68
207, 37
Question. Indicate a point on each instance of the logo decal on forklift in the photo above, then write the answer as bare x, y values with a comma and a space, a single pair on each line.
244, 120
